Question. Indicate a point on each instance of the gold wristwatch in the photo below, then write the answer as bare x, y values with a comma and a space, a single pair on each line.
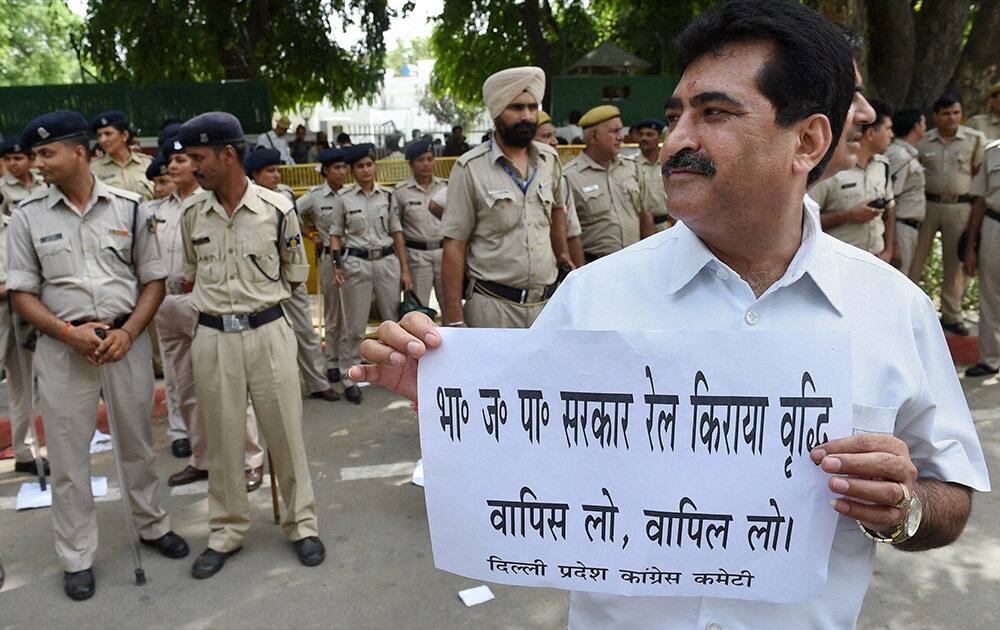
907, 527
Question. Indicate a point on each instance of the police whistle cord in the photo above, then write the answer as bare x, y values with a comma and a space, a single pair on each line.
28, 378
130, 529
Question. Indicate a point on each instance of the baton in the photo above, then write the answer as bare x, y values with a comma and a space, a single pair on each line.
133, 534
29, 392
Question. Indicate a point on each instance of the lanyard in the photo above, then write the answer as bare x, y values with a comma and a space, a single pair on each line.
513, 176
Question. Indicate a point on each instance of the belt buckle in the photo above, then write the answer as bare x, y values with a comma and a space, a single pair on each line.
434, 244
374, 254
232, 322
524, 296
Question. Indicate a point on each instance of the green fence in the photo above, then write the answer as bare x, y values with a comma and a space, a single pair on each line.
147, 106
636, 97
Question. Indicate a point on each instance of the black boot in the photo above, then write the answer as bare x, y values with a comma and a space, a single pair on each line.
79, 585
353, 394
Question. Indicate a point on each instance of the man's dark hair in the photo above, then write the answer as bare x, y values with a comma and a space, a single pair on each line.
854, 40
342, 138
810, 72
882, 111
239, 147
78, 141
945, 102
457, 128
905, 120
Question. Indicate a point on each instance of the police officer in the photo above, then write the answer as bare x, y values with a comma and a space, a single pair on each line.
984, 228
156, 172
989, 123
83, 257
316, 206
421, 224
908, 126
262, 166
120, 166
502, 195
20, 180
366, 240
650, 132
242, 252
176, 321
950, 154
853, 201
612, 199
569, 251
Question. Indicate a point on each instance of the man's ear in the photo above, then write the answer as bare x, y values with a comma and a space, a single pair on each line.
814, 140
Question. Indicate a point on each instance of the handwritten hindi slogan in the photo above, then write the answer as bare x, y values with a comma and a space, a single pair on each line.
634, 463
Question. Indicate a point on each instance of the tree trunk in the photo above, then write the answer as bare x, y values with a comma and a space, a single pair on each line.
891, 44
940, 27
979, 66
541, 51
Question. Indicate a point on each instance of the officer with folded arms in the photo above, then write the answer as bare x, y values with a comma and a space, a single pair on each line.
243, 254
84, 257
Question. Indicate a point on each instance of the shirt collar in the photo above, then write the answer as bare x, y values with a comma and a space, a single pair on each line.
55, 196
250, 201
589, 162
496, 153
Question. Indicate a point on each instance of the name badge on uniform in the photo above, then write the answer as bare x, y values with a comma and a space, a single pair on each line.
591, 188
846, 186
51, 237
497, 193
292, 243
354, 212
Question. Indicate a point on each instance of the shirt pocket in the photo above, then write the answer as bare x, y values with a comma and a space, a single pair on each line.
355, 223
595, 202
259, 260
503, 214
56, 259
629, 189
116, 253
873, 419
546, 201
965, 164
211, 266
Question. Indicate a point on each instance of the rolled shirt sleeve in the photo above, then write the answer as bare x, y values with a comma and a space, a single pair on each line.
978, 188
149, 264
24, 271
294, 264
335, 219
187, 229
395, 223
459, 219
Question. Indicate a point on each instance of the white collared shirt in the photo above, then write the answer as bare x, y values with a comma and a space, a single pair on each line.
903, 383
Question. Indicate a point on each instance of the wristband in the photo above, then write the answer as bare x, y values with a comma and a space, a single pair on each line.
65, 332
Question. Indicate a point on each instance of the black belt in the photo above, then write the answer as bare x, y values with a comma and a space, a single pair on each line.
660, 219
948, 198
234, 322
117, 322
993, 214
427, 247
369, 254
517, 296
322, 250
913, 223
589, 257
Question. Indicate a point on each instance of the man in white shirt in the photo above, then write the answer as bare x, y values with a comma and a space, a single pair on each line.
277, 139
764, 94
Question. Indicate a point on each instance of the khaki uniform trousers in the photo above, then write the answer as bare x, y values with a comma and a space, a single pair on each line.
951, 219
310, 355
227, 367
366, 278
68, 391
483, 311
425, 269
906, 239
989, 293
333, 312
17, 386
175, 322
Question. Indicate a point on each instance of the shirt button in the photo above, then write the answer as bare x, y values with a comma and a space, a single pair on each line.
713, 626
722, 274
230, 250
751, 317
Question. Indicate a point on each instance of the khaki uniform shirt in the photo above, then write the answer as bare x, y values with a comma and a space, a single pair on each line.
505, 224
4, 222
847, 189
419, 223
316, 207
244, 263
608, 201
573, 228
132, 176
84, 266
949, 165
364, 221
988, 124
986, 182
652, 173
167, 213
13, 192
907, 180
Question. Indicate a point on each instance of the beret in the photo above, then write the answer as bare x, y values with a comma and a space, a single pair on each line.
167, 132
62, 124
109, 117
649, 123
330, 156
543, 118
12, 145
261, 158
355, 153
418, 148
156, 168
599, 114
211, 129
171, 145
501, 88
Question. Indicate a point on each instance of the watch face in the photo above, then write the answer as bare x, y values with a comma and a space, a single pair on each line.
913, 518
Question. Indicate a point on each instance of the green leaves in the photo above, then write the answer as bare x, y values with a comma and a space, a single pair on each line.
36, 46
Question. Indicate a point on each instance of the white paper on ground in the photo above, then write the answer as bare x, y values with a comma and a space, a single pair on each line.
100, 442
31, 496
474, 596
418, 474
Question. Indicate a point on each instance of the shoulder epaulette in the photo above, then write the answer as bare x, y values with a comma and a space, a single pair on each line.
473, 153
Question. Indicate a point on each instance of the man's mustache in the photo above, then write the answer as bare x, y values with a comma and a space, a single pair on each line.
688, 160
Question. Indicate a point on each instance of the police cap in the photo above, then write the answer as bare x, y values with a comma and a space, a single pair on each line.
649, 123
110, 117
543, 118
167, 132
211, 129
330, 156
62, 124
156, 168
171, 145
11, 146
355, 153
418, 148
599, 114
261, 158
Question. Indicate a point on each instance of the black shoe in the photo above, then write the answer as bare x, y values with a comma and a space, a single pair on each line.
981, 369
327, 394
210, 561
311, 551
79, 585
30, 467
170, 545
181, 448
958, 328
353, 394
333, 375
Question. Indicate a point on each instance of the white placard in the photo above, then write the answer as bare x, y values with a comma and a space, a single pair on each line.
666, 463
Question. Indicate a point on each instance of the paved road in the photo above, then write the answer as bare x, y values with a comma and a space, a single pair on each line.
379, 572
